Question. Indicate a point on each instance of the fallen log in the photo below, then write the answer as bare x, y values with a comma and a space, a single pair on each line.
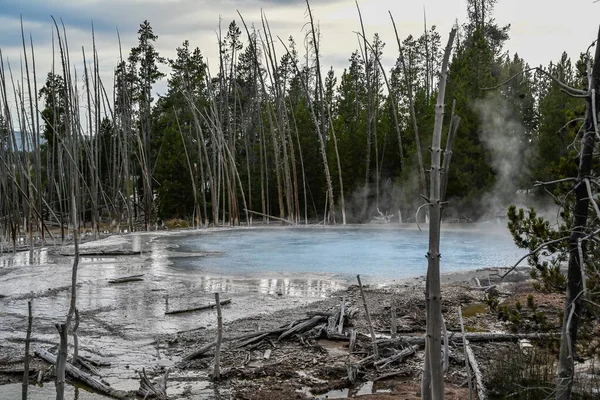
472, 337
103, 253
332, 322
17, 370
131, 278
287, 221
388, 375
366, 360
93, 370
352, 343
84, 377
200, 352
370, 323
400, 356
149, 390
481, 390
394, 325
465, 342
254, 340
308, 324
342, 312
319, 313
200, 308
257, 333
337, 336
94, 361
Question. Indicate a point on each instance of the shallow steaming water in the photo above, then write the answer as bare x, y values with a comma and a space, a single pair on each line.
385, 252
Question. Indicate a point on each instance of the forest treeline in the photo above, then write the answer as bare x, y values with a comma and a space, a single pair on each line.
265, 133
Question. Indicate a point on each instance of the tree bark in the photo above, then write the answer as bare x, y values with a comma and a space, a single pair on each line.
321, 132
217, 369
27, 342
433, 374
565, 373
413, 116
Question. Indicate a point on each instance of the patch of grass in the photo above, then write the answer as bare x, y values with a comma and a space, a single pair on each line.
177, 223
474, 309
522, 375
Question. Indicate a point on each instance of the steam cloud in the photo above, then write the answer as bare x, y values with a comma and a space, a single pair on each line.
503, 135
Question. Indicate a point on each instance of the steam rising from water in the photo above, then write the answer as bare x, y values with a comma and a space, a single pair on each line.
503, 135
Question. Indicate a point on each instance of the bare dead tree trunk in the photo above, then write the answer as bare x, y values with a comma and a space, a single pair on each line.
301, 165
369, 117
71, 149
61, 361
413, 116
433, 374
339, 166
197, 213
217, 369
321, 132
27, 342
368, 315
566, 371
280, 117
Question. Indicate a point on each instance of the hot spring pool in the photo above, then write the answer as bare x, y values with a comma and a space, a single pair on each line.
381, 252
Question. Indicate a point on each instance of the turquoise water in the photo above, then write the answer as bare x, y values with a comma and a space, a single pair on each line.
383, 252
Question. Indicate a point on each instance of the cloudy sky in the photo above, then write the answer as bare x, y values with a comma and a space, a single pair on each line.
540, 29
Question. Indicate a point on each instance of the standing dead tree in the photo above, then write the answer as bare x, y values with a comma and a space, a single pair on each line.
27, 344
581, 229
321, 132
319, 124
433, 374
577, 244
413, 115
71, 148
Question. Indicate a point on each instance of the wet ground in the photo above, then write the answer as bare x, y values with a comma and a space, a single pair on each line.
125, 324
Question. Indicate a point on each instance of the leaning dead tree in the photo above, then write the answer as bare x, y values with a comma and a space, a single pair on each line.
580, 228
576, 289
433, 374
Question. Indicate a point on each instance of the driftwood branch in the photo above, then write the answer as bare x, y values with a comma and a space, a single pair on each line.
398, 357
456, 337
200, 351
567, 89
308, 324
393, 323
113, 253
199, 308
540, 247
541, 183
89, 380
131, 278
373, 338
287, 221
481, 390
342, 312
149, 390
462, 330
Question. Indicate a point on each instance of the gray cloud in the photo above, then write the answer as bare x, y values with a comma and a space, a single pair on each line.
176, 20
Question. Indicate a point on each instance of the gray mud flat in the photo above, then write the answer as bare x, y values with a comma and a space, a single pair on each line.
125, 324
